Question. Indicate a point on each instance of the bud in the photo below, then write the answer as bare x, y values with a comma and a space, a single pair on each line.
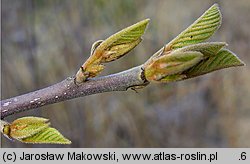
27, 126
171, 64
32, 130
111, 49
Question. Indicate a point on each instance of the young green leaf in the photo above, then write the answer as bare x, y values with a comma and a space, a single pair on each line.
223, 59
127, 38
182, 63
32, 130
111, 49
47, 136
27, 126
202, 29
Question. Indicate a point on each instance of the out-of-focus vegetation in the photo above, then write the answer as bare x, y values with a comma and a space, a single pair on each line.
43, 42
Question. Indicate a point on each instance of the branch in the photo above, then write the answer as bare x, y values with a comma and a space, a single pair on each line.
67, 89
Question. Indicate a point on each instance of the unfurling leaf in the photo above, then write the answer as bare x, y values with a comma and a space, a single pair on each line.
223, 59
32, 130
169, 65
111, 49
114, 46
202, 29
118, 51
27, 126
169, 68
164, 65
47, 136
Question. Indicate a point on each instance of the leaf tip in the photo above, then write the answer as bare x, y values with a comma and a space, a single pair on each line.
67, 142
215, 5
147, 20
144, 24
237, 61
240, 62
217, 9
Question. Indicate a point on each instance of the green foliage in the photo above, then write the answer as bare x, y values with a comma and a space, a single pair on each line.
111, 49
48, 136
202, 29
169, 63
223, 59
126, 36
27, 126
164, 65
32, 130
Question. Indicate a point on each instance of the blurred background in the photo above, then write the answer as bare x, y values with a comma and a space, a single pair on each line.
44, 42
